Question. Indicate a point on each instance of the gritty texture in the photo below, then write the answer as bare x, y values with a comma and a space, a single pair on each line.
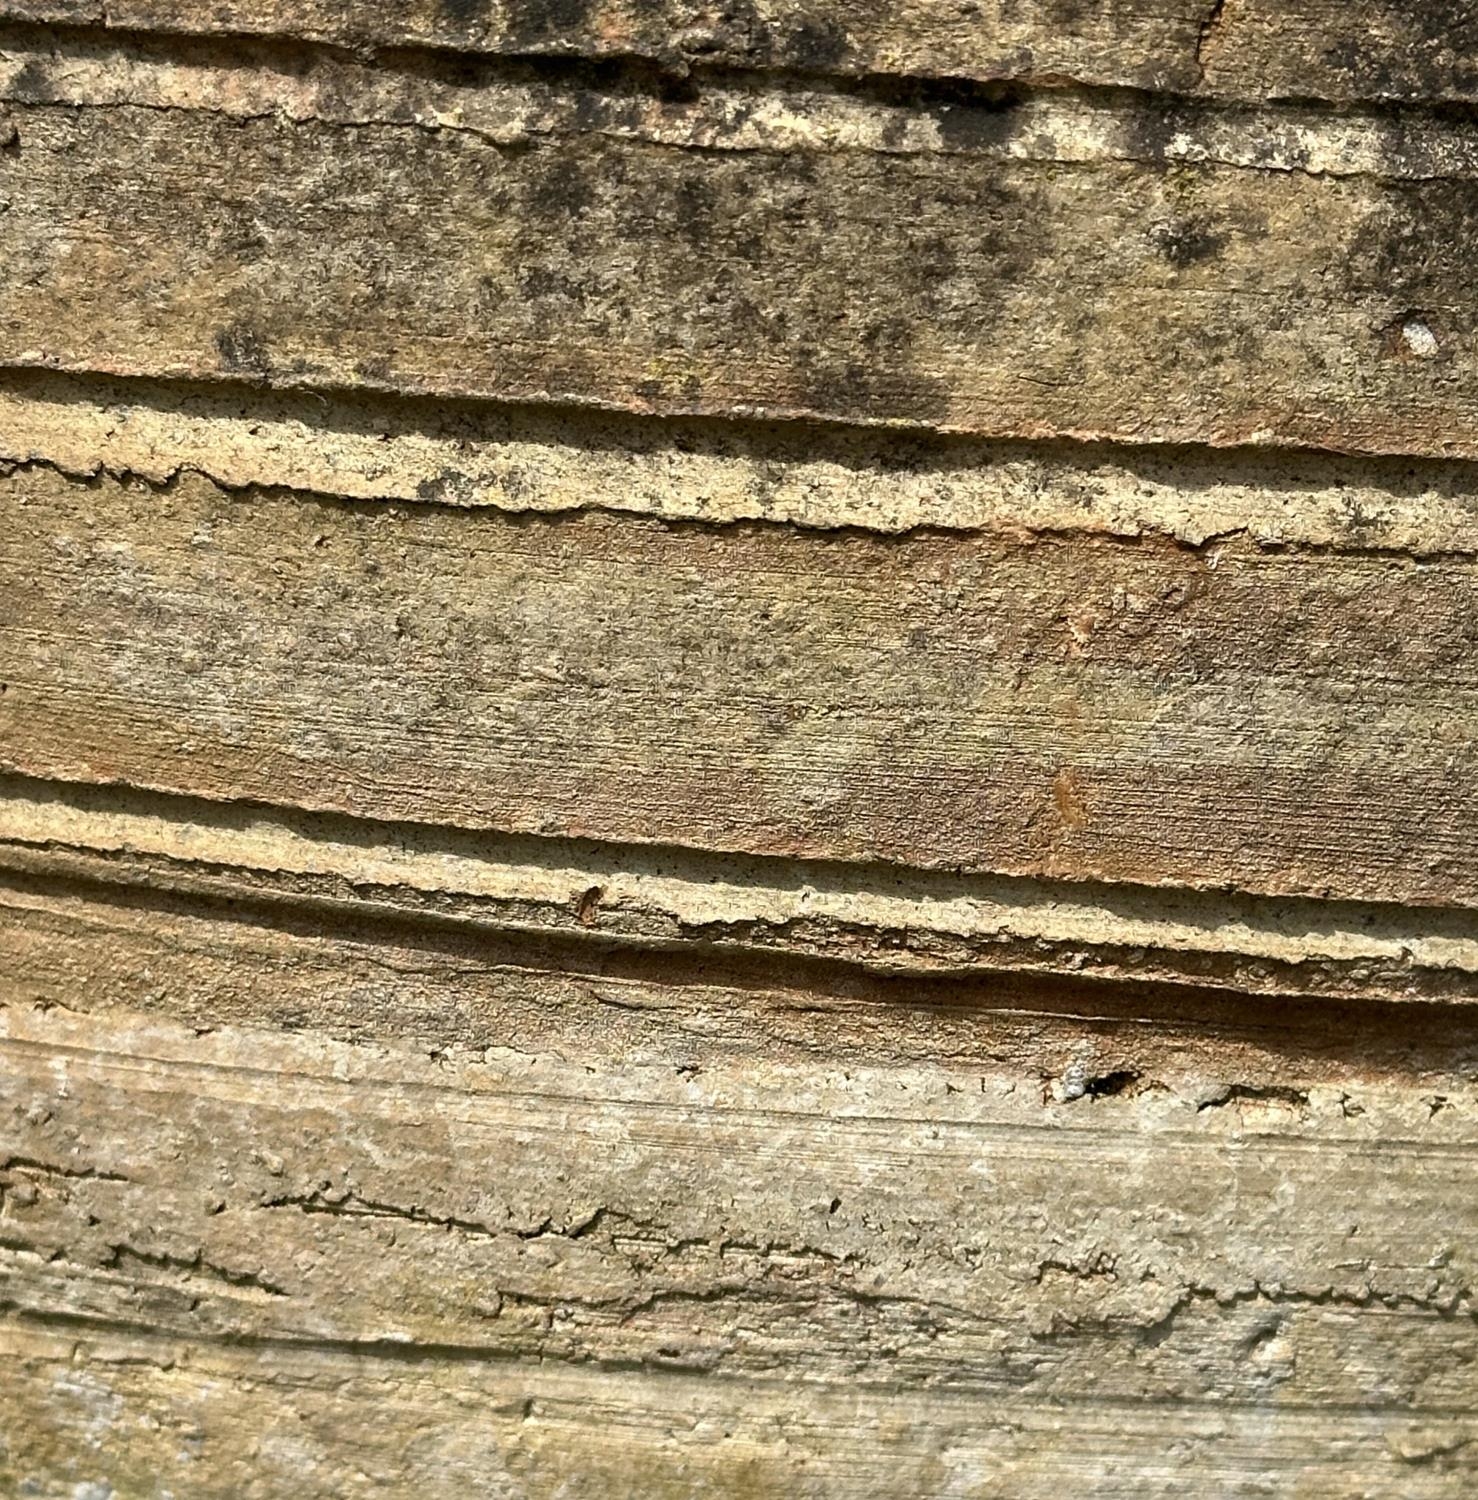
192, 1201
1377, 50
887, 919
731, 111
1046, 706
737, 750
1075, 291
820, 478
1145, 43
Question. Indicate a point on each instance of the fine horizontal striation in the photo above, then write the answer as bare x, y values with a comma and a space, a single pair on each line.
884, 918
374, 446
867, 1225
737, 748
1061, 706
399, 1418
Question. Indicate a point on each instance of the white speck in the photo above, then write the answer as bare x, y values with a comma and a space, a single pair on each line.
1418, 338
1072, 1085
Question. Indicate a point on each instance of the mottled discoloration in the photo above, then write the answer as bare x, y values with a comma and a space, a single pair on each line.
1143, 44
563, 938
1375, 51
615, 264
756, 688
943, 1230
1380, 50
1249, 49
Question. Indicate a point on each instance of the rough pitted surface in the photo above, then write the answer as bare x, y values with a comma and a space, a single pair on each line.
737, 750
1110, 276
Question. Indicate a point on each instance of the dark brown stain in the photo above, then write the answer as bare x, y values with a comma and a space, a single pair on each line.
587, 908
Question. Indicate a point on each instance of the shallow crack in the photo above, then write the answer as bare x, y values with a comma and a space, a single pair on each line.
1152, 1333
1237, 1093
352, 1206
1140, 534
121, 1256
54, 1169
1207, 37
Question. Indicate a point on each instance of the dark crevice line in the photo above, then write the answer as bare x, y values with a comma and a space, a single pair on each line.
1400, 1037
594, 113
874, 947
1206, 36
662, 75
1143, 538
694, 865
32, 1164
866, 449
670, 75
391, 1351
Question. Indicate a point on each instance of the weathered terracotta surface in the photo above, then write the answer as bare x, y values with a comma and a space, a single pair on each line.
737, 750
1059, 706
